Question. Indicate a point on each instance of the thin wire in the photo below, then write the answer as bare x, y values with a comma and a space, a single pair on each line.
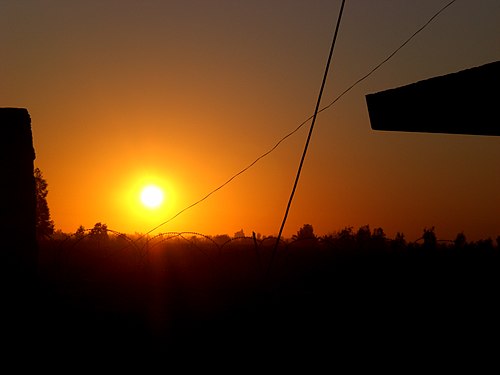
316, 110
306, 120
387, 58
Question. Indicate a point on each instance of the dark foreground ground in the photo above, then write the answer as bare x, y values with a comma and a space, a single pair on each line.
376, 309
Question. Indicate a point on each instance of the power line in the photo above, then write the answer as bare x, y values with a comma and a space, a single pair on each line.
386, 59
309, 118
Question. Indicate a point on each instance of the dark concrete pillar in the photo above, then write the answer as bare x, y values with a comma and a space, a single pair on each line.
18, 246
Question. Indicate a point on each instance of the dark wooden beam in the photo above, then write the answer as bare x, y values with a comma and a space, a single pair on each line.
465, 102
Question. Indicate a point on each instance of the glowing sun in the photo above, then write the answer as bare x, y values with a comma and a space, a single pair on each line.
152, 196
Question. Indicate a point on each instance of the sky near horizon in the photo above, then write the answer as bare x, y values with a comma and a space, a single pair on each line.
185, 94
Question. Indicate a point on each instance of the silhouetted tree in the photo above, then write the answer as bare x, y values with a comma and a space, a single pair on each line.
44, 225
345, 239
99, 231
80, 232
363, 235
239, 234
346, 234
399, 242
378, 239
430, 239
305, 233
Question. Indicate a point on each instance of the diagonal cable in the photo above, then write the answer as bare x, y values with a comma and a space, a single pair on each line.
308, 119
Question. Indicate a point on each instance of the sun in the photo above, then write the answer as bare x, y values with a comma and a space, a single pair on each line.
152, 196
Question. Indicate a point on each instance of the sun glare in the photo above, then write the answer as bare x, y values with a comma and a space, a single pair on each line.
143, 199
152, 196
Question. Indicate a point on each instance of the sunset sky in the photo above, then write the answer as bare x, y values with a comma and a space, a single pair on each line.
185, 94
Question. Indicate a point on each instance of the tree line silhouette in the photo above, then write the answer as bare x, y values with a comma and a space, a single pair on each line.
352, 286
347, 238
101, 291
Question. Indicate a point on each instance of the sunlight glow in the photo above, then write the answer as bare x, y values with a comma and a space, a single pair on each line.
142, 198
152, 196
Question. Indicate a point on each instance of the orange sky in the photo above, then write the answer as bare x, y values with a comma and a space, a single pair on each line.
187, 93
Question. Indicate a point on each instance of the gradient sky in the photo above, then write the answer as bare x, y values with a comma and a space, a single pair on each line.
187, 93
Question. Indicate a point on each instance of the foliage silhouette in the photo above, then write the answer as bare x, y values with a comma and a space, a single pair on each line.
99, 231
306, 232
80, 232
44, 224
183, 290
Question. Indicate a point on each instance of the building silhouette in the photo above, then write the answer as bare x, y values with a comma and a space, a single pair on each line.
18, 246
